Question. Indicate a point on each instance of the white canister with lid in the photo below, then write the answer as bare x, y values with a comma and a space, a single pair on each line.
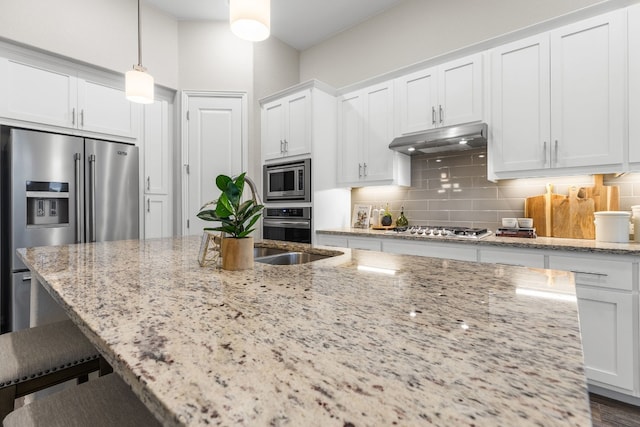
612, 226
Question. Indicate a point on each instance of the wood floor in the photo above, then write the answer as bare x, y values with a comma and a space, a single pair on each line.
611, 413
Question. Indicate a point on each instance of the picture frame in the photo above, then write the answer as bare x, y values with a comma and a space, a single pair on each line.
361, 216
209, 252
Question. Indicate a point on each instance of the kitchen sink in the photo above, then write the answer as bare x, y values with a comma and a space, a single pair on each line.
263, 252
291, 258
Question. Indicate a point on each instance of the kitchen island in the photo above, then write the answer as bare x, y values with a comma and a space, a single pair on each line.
363, 338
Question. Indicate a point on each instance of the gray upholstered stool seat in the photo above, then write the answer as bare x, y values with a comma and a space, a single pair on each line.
106, 401
40, 357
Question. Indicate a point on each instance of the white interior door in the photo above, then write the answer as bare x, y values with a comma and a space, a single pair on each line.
214, 142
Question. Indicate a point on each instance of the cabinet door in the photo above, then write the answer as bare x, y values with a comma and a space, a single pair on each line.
156, 148
606, 325
272, 126
105, 109
416, 101
634, 84
157, 217
378, 132
34, 94
350, 123
298, 124
460, 91
520, 122
587, 91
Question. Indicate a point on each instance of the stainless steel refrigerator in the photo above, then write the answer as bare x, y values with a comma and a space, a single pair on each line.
59, 189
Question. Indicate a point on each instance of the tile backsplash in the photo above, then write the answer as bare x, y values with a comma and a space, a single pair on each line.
454, 190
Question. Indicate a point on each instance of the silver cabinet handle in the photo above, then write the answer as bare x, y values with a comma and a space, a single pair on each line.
433, 115
441, 113
77, 165
544, 152
286, 146
365, 169
359, 170
73, 117
26, 277
81, 118
148, 204
92, 198
281, 146
148, 183
556, 152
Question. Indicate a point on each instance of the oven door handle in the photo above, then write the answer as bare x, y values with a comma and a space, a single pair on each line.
286, 224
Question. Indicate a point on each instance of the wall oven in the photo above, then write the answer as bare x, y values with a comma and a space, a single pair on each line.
290, 224
285, 182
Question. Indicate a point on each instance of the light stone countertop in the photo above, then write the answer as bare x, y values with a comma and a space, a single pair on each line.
361, 339
550, 243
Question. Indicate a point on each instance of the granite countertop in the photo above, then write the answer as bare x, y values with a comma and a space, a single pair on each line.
360, 339
549, 243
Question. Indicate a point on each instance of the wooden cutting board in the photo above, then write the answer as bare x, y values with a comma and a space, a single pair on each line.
605, 197
572, 216
538, 208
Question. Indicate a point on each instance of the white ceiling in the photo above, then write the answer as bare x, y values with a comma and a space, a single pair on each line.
299, 23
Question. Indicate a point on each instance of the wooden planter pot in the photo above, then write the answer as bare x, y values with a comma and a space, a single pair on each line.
237, 254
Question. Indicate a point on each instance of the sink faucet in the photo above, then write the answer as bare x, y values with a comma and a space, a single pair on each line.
254, 192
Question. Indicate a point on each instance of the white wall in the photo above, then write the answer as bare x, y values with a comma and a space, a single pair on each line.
98, 32
416, 30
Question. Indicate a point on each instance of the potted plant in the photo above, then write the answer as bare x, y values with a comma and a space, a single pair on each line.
237, 219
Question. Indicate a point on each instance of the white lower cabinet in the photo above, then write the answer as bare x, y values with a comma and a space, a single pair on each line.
157, 216
436, 250
365, 243
605, 289
330, 240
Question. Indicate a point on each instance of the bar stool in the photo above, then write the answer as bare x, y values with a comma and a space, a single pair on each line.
40, 357
104, 402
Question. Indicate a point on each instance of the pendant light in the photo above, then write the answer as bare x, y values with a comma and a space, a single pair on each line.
250, 19
138, 83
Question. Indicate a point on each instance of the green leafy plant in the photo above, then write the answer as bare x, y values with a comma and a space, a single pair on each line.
237, 218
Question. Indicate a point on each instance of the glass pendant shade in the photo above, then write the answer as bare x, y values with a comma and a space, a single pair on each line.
250, 19
139, 86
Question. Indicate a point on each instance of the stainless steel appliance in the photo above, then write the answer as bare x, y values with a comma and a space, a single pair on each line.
59, 189
286, 182
290, 224
443, 140
442, 232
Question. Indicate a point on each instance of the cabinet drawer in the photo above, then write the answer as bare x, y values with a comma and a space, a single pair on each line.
327, 240
435, 250
601, 272
511, 257
365, 243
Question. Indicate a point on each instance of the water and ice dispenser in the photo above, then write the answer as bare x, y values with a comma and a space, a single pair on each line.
47, 203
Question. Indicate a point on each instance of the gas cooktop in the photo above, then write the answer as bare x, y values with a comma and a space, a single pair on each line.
442, 232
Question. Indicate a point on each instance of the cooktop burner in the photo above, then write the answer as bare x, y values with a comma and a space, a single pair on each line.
442, 231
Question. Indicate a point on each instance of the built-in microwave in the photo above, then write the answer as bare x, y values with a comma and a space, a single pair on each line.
288, 181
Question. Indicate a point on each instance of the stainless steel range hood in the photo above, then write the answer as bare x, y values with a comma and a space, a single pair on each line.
442, 140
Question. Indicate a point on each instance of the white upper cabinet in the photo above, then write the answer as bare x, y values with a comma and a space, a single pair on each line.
105, 109
37, 94
445, 95
587, 91
520, 89
286, 126
365, 130
634, 86
558, 101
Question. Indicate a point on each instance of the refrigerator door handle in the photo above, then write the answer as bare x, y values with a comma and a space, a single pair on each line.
76, 158
92, 198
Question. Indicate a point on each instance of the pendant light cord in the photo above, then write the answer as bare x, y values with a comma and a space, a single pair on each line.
139, 37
